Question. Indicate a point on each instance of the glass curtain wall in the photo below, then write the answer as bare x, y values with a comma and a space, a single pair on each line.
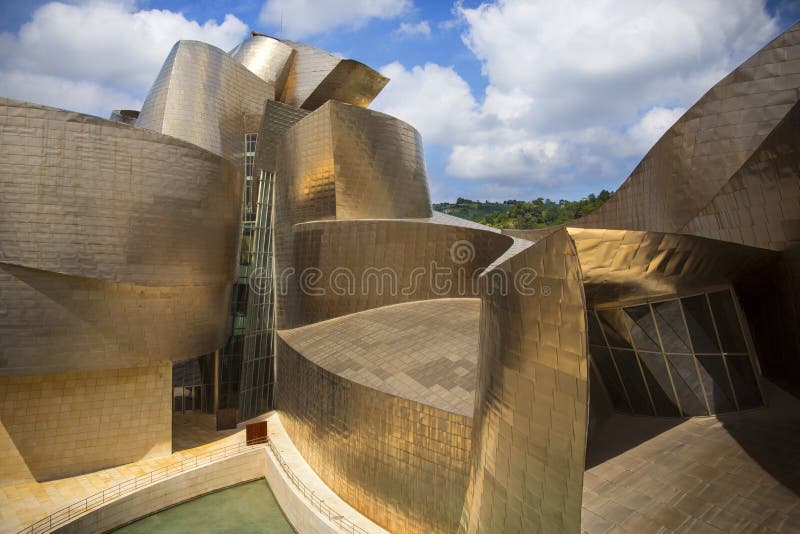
258, 363
675, 357
230, 372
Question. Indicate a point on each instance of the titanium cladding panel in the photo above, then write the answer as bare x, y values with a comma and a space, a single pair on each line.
346, 162
700, 153
529, 428
401, 463
624, 264
760, 204
409, 260
205, 97
117, 245
316, 77
267, 58
308, 68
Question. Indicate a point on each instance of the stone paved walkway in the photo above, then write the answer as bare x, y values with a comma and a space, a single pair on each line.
731, 473
23, 504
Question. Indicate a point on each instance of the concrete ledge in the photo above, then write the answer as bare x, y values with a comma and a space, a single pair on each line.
303, 516
169, 492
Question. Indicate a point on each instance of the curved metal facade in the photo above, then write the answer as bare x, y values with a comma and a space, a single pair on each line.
267, 58
106, 259
384, 262
700, 154
118, 247
401, 463
334, 164
531, 408
205, 97
316, 76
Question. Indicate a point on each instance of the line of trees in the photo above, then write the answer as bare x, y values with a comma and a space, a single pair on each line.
520, 214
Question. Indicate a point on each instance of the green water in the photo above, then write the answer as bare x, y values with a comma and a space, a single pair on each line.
246, 508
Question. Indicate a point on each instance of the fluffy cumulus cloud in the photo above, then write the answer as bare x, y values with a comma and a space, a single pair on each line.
97, 55
578, 90
302, 18
432, 98
410, 29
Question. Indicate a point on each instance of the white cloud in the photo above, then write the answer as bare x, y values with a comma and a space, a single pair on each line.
87, 56
532, 157
577, 90
301, 18
407, 29
63, 93
433, 99
651, 127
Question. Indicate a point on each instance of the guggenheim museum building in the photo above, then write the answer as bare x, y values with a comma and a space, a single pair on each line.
255, 239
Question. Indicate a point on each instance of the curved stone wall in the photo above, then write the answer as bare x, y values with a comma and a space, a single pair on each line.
530, 423
401, 463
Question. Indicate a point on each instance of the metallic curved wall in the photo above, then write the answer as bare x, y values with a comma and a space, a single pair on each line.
619, 265
336, 163
530, 423
268, 58
409, 253
401, 463
700, 153
760, 204
204, 96
118, 244
350, 82
316, 76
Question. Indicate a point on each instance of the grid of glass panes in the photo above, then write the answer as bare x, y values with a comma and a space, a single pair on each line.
675, 357
258, 362
231, 355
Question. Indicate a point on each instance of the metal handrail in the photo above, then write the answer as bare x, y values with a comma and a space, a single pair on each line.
76, 509
79, 508
344, 524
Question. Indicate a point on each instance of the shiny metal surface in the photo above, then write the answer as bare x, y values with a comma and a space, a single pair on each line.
760, 204
350, 82
401, 463
618, 265
266, 57
529, 427
425, 351
105, 259
84, 196
316, 76
334, 163
205, 97
700, 154
383, 261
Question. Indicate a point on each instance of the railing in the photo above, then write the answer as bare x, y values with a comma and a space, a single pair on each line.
127, 487
344, 524
79, 508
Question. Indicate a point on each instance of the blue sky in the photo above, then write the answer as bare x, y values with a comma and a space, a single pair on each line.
514, 98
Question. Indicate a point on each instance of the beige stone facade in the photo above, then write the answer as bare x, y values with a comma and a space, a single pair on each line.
62, 425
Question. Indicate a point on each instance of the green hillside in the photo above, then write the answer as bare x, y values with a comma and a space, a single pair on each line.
519, 214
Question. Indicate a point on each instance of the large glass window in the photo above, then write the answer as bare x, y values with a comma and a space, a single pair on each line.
682, 356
